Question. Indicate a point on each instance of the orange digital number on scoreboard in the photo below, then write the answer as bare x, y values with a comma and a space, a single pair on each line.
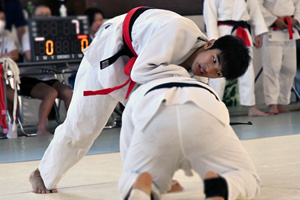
49, 47
58, 38
84, 41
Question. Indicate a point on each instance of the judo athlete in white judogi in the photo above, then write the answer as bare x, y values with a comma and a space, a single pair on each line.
231, 17
180, 123
167, 45
279, 51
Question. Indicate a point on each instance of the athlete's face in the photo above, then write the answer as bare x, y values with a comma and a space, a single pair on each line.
207, 62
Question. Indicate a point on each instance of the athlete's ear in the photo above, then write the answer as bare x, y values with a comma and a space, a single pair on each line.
209, 44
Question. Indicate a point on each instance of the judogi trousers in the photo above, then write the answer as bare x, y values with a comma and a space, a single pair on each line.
245, 82
86, 117
182, 136
279, 70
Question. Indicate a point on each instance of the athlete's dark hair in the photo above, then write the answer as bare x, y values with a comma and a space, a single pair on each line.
234, 57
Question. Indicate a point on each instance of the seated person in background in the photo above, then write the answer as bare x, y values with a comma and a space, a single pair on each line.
7, 49
45, 86
179, 123
14, 17
10, 101
96, 19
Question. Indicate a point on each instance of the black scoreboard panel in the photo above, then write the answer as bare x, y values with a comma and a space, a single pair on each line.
58, 38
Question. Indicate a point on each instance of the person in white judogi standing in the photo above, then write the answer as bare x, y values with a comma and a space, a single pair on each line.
167, 45
279, 51
231, 17
180, 123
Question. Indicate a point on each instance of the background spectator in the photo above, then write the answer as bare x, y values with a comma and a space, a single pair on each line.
96, 19
279, 51
45, 86
232, 17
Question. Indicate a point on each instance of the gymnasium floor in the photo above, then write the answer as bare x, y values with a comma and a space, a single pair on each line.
272, 142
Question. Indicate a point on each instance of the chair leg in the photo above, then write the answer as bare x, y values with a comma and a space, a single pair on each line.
56, 107
20, 119
296, 93
116, 117
23, 131
114, 123
258, 74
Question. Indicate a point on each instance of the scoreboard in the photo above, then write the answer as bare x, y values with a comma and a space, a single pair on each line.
58, 38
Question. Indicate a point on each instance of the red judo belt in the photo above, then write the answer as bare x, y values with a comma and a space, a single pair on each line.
240, 27
290, 27
128, 50
3, 110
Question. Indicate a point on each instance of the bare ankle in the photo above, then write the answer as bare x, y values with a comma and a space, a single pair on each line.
36, 172
273, 109
254, 112
42, 131
281, 109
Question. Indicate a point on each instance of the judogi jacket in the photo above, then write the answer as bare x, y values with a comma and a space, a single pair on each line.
271, 9
162, 40
234, 10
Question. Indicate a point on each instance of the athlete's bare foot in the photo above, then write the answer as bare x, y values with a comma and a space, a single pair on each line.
254, 112
273, 109
281, 109
42, 131
176, 187
143, 182
37, 183
210, 175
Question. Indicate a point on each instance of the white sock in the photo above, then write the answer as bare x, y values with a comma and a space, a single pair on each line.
137, 194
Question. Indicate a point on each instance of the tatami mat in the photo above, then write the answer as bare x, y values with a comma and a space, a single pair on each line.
96, 176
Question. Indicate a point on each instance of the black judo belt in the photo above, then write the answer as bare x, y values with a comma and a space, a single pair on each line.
177, 84
235, 24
